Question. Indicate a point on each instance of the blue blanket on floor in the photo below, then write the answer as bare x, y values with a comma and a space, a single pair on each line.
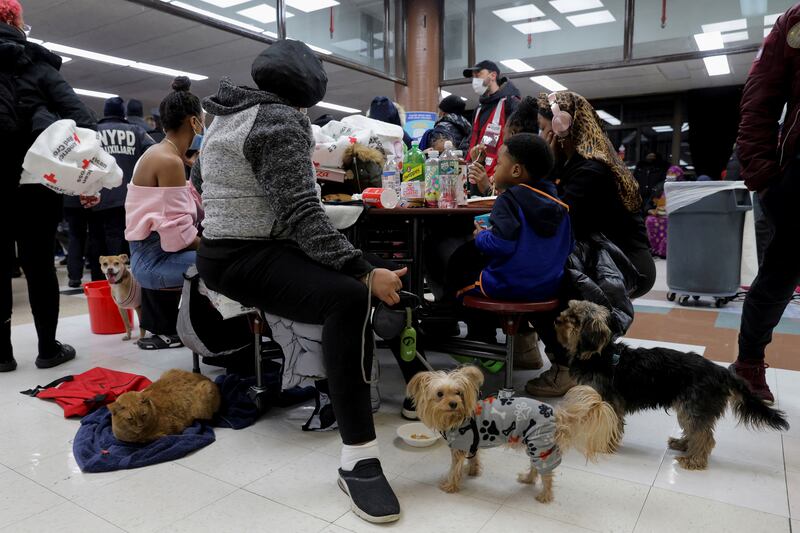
97, 450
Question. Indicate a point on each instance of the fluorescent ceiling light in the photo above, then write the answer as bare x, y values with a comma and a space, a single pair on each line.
463, 98
608, 117
320, 50
709, 41
540, 26
261, 13
728, 25
336, 107
517, 65
37, 41
65, 59
96, 94
689, 167
685, 127
548, 83
511, 14
570, 6
94, 56
769, 20
103, 58
311, 5
212, 15
717, 65
735, 36
271, 34
445, 94
683, 163
591, 19
352, 45
767, 31
155, 69
225, 3
662, 129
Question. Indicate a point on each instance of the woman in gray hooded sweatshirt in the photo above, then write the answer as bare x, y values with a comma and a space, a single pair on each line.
268, 243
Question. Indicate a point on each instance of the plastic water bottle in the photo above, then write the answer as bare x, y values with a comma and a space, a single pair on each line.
448, 176
461, 182
391, 175
432, 186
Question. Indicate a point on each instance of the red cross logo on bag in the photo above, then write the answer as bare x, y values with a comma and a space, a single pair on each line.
51, 178
85, 164
75, 136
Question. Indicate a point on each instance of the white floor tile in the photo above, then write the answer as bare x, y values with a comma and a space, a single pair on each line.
307, 484
30, 434
241, 457
284, 424
749, 485
509, 519
793, 486
333, 528
64, 518
425, 508
153, 497
61, 474
633, 461
738, 443
21, 498
667, 512
244, 511
587, 500
497, 482
791, 452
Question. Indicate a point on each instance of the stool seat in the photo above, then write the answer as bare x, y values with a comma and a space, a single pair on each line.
505, 307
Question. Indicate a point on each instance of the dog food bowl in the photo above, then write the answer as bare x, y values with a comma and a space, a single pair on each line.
418, 435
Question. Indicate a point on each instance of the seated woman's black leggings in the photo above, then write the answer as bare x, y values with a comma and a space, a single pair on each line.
280, 279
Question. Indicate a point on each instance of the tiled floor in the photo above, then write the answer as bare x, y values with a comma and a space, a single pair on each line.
272, 477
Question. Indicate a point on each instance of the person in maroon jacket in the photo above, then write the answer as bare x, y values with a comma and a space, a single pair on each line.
771, 166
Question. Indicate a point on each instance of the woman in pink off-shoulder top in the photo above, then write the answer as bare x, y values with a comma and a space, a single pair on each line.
162, 212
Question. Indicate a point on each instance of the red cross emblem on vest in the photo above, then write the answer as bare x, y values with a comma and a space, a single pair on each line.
85, 164
50, 177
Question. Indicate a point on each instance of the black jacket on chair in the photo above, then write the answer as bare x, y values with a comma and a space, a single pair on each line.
600, 272
42, 94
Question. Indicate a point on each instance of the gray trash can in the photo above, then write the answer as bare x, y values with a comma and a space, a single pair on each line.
704, 243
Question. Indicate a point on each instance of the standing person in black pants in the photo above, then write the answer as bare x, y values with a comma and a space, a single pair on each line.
771, 167
33, 211
268, 243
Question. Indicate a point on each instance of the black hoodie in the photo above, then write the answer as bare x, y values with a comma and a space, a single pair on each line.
41, 92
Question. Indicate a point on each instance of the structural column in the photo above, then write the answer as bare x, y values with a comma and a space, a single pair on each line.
423, 44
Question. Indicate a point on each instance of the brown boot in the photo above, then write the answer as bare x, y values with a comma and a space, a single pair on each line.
526, 351
552, 384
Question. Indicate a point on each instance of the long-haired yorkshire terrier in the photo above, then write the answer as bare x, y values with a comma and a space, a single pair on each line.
633, 379
448, 402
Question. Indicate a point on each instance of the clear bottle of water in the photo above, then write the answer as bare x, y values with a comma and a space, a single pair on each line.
391, 175
448, 176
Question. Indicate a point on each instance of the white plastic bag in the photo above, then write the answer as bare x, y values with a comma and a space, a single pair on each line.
70, 160
388, 138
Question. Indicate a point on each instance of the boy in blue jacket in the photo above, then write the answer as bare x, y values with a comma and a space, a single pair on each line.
521, 255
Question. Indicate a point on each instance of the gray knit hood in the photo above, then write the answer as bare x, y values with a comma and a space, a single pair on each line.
232, 98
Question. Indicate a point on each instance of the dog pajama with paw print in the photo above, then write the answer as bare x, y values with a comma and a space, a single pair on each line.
513, 421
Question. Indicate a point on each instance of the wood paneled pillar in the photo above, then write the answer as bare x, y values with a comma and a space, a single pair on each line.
423, 44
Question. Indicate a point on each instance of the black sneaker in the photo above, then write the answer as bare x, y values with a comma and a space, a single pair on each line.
323, 418
74, 283
8, 364
371, 497
409, 411
65, 353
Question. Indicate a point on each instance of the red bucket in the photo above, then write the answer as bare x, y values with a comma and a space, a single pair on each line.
104, 314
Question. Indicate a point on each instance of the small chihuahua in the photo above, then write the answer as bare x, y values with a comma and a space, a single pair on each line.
125, 290
448, 402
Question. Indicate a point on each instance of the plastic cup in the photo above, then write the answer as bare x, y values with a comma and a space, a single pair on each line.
380, 197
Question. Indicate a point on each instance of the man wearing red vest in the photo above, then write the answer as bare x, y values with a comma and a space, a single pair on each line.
498, 99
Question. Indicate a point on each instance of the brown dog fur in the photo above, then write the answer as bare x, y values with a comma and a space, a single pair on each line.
115, 268
166, 407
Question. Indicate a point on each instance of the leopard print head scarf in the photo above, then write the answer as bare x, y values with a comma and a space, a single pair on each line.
592, 143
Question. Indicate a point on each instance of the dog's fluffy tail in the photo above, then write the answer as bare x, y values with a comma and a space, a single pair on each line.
751, 410
588, 423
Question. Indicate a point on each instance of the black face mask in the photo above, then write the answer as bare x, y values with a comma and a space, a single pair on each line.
388, 321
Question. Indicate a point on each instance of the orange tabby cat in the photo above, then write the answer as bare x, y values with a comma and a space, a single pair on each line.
166, 407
